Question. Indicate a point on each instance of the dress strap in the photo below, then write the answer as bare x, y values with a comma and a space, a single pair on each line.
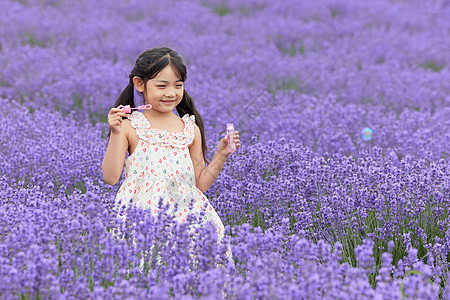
138, 120
189, 131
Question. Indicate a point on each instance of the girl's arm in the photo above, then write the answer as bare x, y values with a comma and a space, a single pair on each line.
205, 176
117, 147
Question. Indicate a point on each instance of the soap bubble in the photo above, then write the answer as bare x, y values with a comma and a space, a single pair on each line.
367, 134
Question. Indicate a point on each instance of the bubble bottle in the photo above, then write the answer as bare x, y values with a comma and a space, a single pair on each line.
230, 133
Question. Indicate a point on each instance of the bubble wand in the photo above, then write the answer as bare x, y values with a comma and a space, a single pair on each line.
127, 109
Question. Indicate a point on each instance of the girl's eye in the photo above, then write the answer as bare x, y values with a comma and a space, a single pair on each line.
179, 85
161, 86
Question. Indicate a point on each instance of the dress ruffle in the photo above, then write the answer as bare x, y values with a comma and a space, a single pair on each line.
157, 136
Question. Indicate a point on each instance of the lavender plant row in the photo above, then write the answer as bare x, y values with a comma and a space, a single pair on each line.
318, 73
63, 248
340, 198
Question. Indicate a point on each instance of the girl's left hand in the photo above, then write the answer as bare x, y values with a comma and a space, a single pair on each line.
223, 144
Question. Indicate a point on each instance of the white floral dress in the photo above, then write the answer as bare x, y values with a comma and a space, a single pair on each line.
161, 166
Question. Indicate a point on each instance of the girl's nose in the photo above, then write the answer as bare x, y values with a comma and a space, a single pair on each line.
170, 94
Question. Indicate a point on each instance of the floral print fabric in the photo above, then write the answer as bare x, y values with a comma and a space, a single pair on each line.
161, 166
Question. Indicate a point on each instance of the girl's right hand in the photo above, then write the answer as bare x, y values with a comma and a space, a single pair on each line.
115, 119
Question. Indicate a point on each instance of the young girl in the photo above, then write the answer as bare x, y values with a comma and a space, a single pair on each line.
166, 153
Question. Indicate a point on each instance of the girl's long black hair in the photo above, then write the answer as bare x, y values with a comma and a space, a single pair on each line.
147, 67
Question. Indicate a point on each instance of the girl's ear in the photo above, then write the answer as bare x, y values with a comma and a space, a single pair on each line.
138, 84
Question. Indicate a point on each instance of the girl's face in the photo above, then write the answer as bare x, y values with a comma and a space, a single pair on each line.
164, 92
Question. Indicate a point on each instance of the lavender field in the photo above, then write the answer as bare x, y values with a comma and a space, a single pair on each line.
314, 207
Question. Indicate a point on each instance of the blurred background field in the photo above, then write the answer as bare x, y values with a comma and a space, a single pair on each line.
300, 81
